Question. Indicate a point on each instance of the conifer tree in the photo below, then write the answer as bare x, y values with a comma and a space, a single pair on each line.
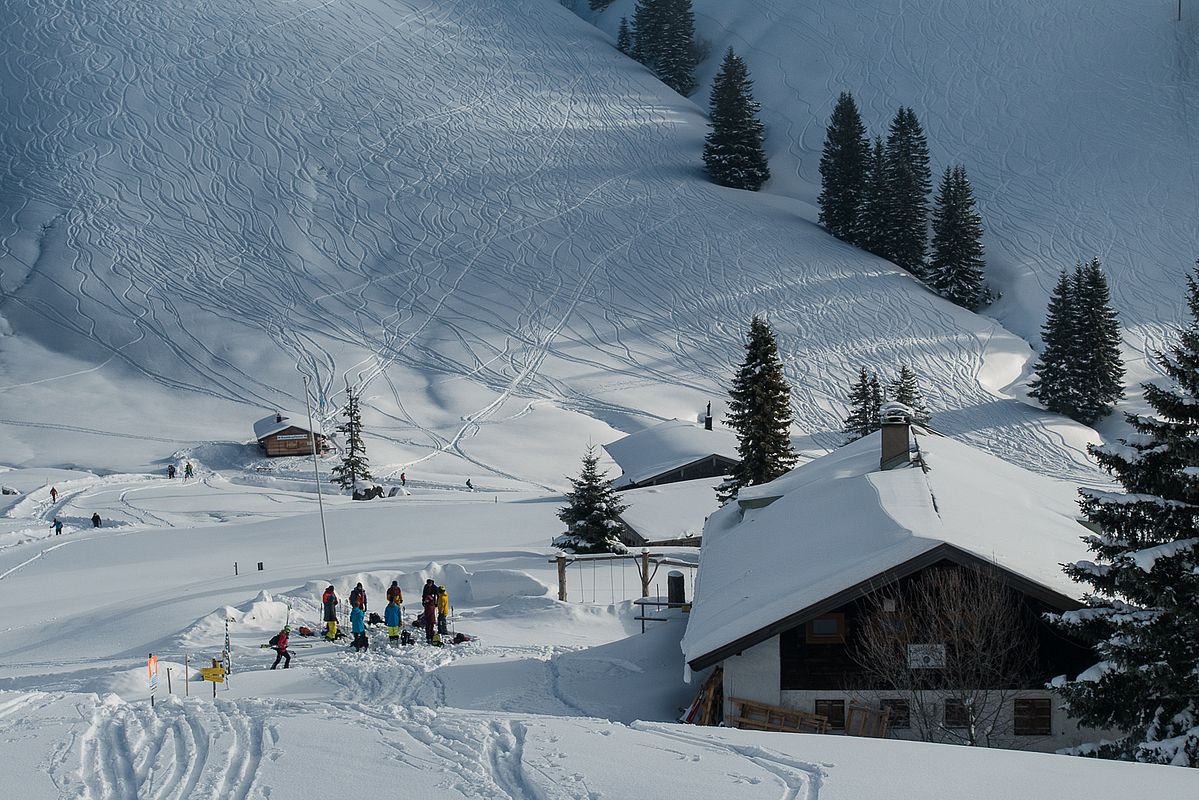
592, 513
1053, 382
905, 388
624, 40
871, 216
599, 5
674, 61
843, 170
1142, 607
760, 414
733, 152
1097, 368
866, 397
905, 219
647, 31
354, 466
956, 269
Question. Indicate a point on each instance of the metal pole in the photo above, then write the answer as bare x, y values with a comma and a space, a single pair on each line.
316, 471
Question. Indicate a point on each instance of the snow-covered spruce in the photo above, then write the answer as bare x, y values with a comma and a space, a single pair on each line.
592, 513
354, 465
865, 398
955, 270
1143, 609
733, 152
843, 171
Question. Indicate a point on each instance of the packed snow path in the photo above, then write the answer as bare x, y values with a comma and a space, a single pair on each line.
481, 214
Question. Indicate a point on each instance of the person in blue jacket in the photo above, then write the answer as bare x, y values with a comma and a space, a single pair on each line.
393, 618
358, 628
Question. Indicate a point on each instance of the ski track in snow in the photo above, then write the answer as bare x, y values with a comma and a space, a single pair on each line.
253, 183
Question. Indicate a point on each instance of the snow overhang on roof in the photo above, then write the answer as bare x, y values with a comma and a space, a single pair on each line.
281, 421
666, 446
839, 521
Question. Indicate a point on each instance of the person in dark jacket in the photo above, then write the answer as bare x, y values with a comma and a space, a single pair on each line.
329, 603
358, 597
429, 616
171, 475
394, 593
96, 519
429, 589
281, 648
53, 495
57, 525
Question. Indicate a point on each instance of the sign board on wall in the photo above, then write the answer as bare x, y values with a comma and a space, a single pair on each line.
926, 656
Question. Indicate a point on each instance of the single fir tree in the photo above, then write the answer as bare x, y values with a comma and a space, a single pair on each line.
624, 39
1053, 382
905, 388
1142, 603
866, 397
760, 414
956, 269
909, 181
592, 513
843, 171
1098, 368
872, 216
354, 465
733, 152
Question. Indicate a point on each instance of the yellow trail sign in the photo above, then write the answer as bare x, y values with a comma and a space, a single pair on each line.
214, 674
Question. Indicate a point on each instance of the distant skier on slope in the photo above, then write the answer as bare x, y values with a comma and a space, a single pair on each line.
171, 471
96, 519
403, 479
57, 526
53, 495
329, 604
469, 485
187, 470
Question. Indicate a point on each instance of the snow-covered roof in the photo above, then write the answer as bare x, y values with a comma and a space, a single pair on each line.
839, 520
672, 510
281, 421
666, 446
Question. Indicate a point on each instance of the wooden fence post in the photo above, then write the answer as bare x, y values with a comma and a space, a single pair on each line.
562, 576
644, 572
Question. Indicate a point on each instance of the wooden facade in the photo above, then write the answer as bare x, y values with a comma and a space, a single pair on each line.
710, 466
292, 441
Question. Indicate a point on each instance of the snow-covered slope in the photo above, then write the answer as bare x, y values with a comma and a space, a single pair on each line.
480, 213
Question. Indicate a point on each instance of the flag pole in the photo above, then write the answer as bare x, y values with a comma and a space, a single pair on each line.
316, 470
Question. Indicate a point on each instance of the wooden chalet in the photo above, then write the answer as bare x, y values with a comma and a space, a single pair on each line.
284, 434
673, 451
790, 571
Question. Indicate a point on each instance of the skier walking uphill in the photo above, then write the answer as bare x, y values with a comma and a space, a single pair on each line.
329, 604
53, 495
443, 611
358, 628
280, 644
358, 597
393, 618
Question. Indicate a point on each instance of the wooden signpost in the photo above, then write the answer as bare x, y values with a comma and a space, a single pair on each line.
215, 673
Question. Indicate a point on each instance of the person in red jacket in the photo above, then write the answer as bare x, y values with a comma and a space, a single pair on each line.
53, 495
394, 593
281, 648
429, 617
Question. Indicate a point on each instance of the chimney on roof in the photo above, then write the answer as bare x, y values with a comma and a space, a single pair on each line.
278, 416
896, 423
708, 417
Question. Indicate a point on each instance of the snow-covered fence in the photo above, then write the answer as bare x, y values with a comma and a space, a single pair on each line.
642, 561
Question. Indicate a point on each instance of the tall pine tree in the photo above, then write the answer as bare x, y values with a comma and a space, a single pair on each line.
664, 40
1097, 369
624, 39
905, 388
872, 215
908, 179
592, 513
1142, 609
956, 269
1052, 383
354, 465
733, 152
843, 166
760, 414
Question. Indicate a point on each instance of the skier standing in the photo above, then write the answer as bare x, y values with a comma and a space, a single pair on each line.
281, 648
358, 628
358, 597
329, 603
57, 525
394, 593
96, 519
403, 479
171, 475
429, 615
443, 611
187, 470
53, 495
393, 618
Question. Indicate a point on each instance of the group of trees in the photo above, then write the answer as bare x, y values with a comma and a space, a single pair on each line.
867, 395
1080, 372
875, 196
662, 37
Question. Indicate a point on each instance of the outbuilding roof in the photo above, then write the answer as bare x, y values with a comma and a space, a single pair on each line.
281, 421
667, 446
840, 521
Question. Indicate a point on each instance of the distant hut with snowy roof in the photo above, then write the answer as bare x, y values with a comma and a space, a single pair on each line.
672, 451
287, 434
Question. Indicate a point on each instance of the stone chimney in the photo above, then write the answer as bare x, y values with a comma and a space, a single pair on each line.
896, 421
278, 417
708, 418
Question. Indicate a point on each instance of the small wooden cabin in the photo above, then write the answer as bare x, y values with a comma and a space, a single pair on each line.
283, 434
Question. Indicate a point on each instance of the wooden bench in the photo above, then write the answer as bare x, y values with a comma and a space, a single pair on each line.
752, 715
